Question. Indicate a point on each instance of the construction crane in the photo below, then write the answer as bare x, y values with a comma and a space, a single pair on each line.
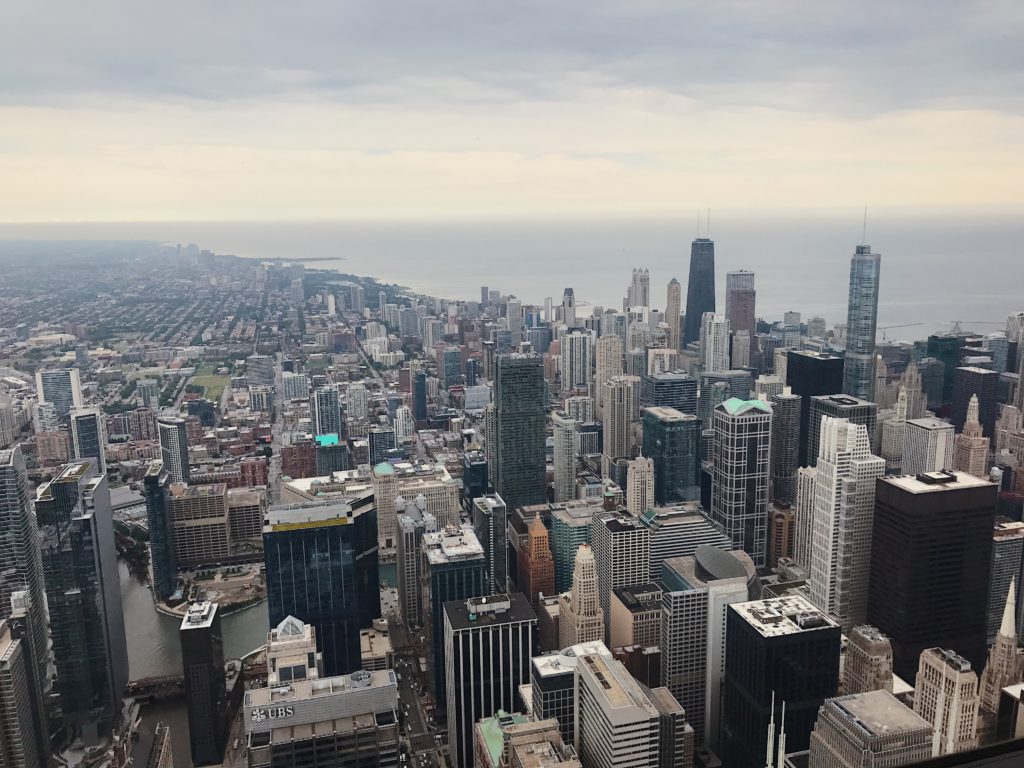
885, 328
956, 324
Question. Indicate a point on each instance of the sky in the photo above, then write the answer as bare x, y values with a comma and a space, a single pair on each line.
318, 109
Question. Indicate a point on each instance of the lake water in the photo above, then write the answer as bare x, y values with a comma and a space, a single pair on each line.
935, 269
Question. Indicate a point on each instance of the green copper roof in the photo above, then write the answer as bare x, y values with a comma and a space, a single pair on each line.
735, 406
384, 469
490, 729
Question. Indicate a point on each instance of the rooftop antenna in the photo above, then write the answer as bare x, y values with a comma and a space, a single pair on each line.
707, 224
864, 232
782, 738
698, 223
770, 751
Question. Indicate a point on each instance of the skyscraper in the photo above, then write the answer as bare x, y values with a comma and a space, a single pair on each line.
568, 308
700, 289
155, 489
927, 446
321, 563
89, 436
810, 373
918, 600
174, 447
785, 445
488, 645
673, 389
419, 396
570, 527
622, 553
868, 663
778, 650
580, 619
202, 659
325, 407
640, 485
838, 503
861, 323
740, 298
83, 597
621, 410
19, 552
971, 381
490, 520
413, 522
673, 315
60, 386
608, 363
521, 425
698, 590
946, 696
741, 466
576, 360
672, 442
564, 429
22, 744
1007, 559
853, 409
381, 442
970, 448
536, 564
1005, 665
714, 342
639, 293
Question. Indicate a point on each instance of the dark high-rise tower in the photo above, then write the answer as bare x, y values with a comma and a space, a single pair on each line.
521, 425
811, 373
322, 565
672, 440
202, 661
419, 397
984, 383
161, 540
930, 565
700, 288
861, 323
852, 409
785, 446
740, 299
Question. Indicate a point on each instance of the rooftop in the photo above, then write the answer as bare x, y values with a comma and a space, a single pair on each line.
564, 662
199, 615
736, 407
930, 422
639, 597
490, 610
664, 413
781, 616
879, 713
286, 518
618, 688
935, 482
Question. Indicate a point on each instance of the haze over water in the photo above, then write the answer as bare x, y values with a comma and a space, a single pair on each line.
934, 269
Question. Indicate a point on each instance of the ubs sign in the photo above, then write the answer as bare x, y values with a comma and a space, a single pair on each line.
262, 714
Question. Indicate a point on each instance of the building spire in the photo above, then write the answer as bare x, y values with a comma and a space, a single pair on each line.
1009, 626
769, 755
781, 763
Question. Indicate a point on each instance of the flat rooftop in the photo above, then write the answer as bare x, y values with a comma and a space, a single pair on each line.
617, 687
199, 615
930, 422
488, 611
564, 662
936, 482
452, 544
664, 413
640, 597
782, 616
283, 518
879, 713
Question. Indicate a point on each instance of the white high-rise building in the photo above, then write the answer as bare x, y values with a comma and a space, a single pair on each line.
576, 360
564, 429
326, 411
174, 447
621, 411
839, 499
148, 392
639, 293
741, 349
927, 446
640, 485
714, 342
294, 385
622, 550
580, 619
405, 425
946, 696
608, 355
894, 430
580, 408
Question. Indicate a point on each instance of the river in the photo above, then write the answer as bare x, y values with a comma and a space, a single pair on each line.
154, 650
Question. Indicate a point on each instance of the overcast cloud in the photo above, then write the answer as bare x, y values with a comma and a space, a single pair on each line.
138, 110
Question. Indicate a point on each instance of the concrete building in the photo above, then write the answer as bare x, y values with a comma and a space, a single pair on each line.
835, 514
608, 363
621, 411
413, 522
1005, 665
488, 645
714, 342
564, 430
636, 616
173, 447
640, 485
536, 563
697, 591
678, 532
741, 467
946, 697
970, 448
854, 410
622, 553
868, 730
553, 685
580, 617
200, 526
673, 315
868, 662
927, 446
576, 360
740, 300
1007, 562
514, 741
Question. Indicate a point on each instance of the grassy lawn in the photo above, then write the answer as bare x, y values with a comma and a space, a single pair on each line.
214, 385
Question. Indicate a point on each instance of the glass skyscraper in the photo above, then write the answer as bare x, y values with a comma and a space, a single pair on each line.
861, 322
521, 425
322, 568
700, 289
672, 440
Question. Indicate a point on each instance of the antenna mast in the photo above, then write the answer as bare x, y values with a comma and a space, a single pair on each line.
864, 232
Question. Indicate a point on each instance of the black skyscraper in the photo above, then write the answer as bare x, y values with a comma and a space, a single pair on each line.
206, 697
783, 648
521, 424
983, 383
808, 374
700, 289
930, 560
419, 397
785, 446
